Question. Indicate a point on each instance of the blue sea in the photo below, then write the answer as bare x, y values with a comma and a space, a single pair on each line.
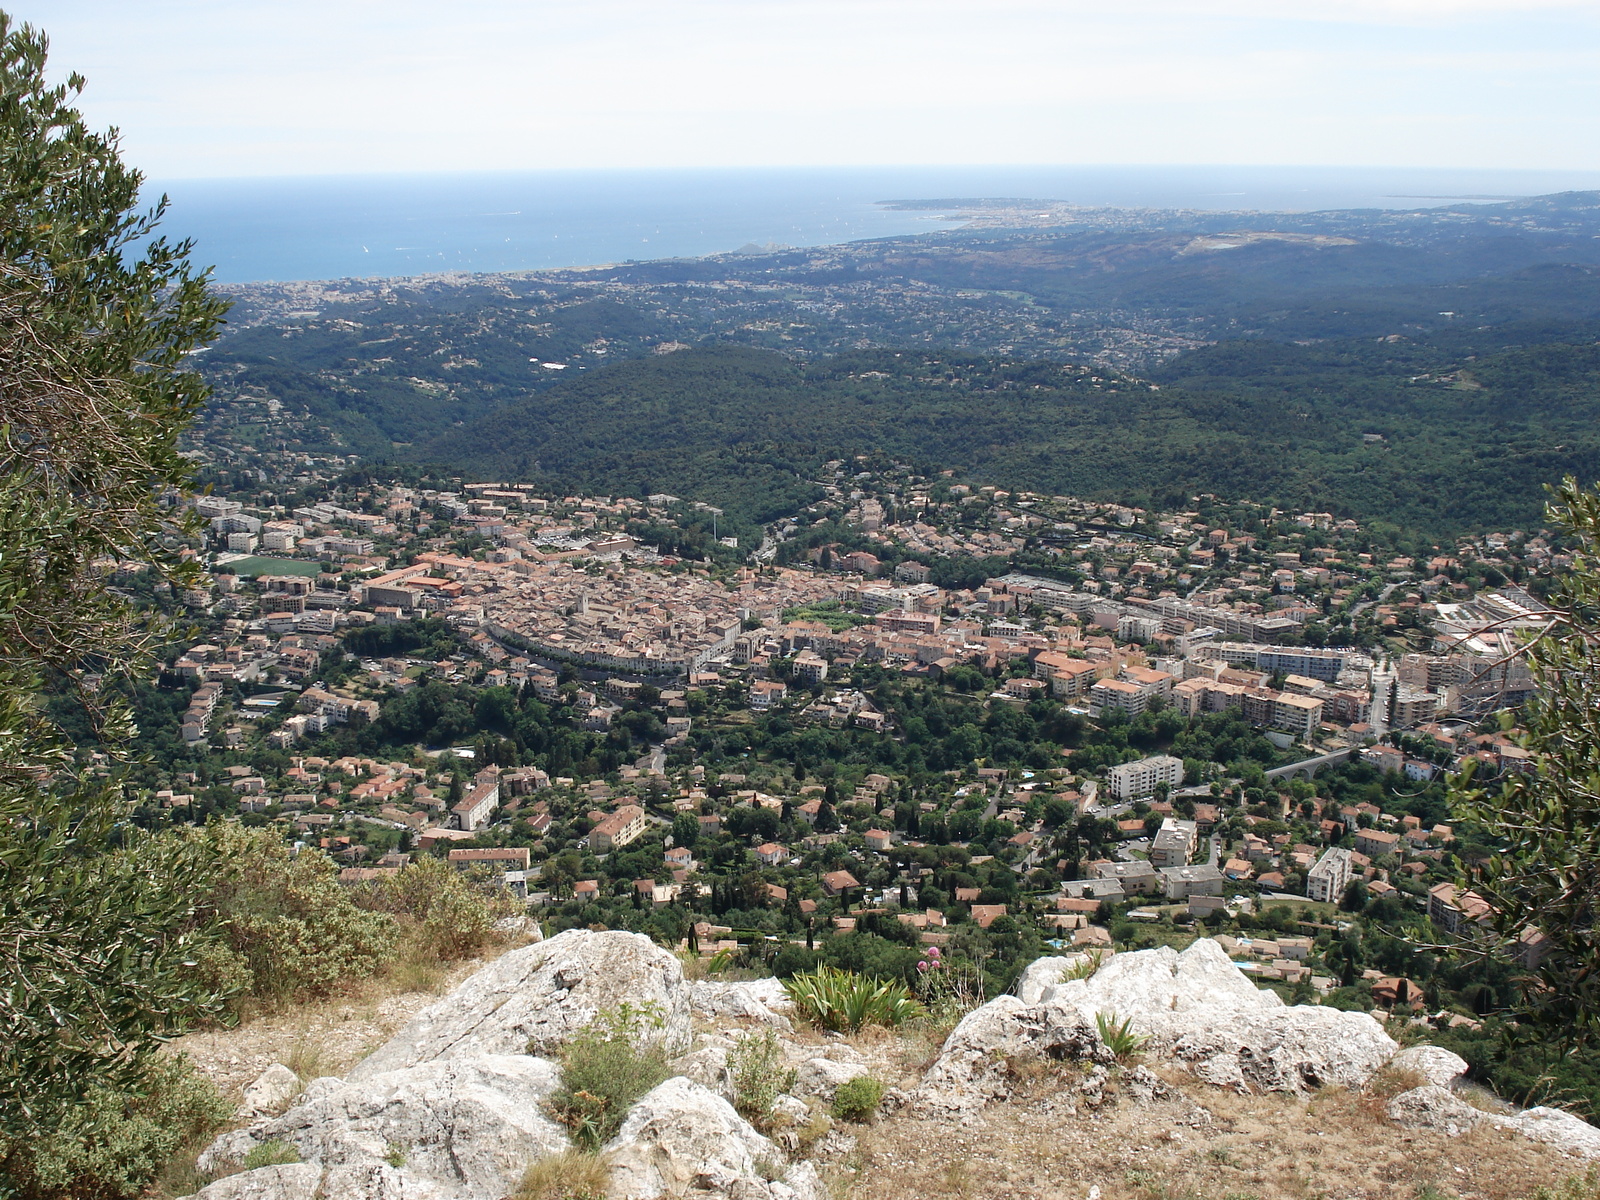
334, 227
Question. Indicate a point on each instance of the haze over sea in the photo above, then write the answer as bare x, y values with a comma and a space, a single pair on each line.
333, 227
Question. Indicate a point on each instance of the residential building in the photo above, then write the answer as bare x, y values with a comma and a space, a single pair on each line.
1329, 878
1174, 843
1130, 781
617, 829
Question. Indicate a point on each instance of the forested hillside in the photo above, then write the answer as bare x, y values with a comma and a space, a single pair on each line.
1465, 439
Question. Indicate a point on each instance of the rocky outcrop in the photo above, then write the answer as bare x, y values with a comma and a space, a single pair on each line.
1195, 1008
1147, 982
534, 999
1433, 1107
1043, 973
680, 1137
271, 1092
707, 1065
1434, 1064
822, 1077
1199, 1009
460, 1127
295, 1181
1287, 1049
974, 1065
1443, 1111
1555, 1128
762, 1000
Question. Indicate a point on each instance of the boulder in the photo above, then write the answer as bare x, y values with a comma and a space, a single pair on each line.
1046, 972
1434, 1107
460, 1128
1198, 1008
762, 1000
532, 1000
271, 1093
1164, 981
973, 1065
1555, 1128
822, 1077
707, 1065
295, 1181
1433, 1063
680, 1137
1272, 1050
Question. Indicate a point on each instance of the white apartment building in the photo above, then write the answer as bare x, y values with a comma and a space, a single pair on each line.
1129, 781
1330, 876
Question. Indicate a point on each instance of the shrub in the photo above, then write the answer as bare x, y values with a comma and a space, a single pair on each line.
858, 1099
760, 1075
844, 1001
1119, 1036
454, 919
567, 1175
291, 930
113, 1143
616, 1059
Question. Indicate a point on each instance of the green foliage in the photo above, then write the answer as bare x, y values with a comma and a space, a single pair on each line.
96, 921
272, 1154
858, 1099
617, 1058
290, 930
1118, 1035
113, 1142
450, 918
1545, 876
760, 1075
1575, 1187
844, 1001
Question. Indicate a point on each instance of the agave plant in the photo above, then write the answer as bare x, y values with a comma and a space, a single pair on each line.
1118, 1035
844, 1001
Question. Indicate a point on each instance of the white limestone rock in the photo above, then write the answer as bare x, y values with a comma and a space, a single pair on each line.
1044, 973
271, 1093
680, 1137
1196, 1007
762, 1000
972, 1067
534, 999
1273, 1050
1433, 1107
323, 1085
1434, 1063
708, 1066
463, 1128
1555, 1128
822, 1077
294, 1181
1164, 981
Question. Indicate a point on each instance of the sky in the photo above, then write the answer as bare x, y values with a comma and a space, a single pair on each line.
229, 88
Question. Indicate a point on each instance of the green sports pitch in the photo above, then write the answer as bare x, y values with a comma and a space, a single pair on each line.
258, 566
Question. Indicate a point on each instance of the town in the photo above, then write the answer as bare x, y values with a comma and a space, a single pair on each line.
921, 709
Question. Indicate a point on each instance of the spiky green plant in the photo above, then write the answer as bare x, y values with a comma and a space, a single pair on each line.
843, 1001
1118, 1035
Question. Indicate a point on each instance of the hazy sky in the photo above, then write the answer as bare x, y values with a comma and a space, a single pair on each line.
269, 87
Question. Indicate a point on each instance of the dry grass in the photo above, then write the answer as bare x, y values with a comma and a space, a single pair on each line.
566, 1175
324, 1037
1205, 1145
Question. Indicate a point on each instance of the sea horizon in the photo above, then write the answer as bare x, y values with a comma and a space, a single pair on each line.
326, 227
